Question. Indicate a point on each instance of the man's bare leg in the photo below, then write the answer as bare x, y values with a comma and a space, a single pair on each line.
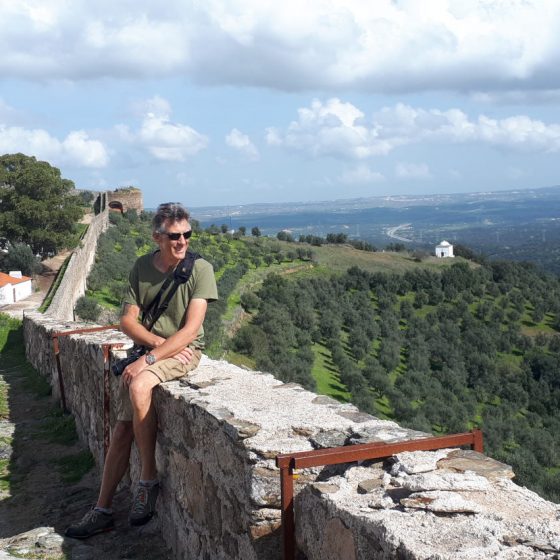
98, 520
116, 462
145, 431
145, 422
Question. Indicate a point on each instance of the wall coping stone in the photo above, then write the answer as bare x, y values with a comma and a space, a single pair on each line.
441, 514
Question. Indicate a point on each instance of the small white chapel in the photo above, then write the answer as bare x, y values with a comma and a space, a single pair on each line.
444, 250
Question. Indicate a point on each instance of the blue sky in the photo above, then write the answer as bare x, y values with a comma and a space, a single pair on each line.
232, 102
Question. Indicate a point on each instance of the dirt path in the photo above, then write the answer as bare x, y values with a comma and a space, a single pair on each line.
37, 504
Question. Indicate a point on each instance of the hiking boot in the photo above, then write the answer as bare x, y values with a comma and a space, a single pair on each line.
92, 523
143, 504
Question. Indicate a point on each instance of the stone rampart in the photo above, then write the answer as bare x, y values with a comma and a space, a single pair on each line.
73, 284
220, 430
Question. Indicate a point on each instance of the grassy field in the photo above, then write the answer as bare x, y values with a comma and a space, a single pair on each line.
254, 278
338, 258
325, 375
240, 360
105, 298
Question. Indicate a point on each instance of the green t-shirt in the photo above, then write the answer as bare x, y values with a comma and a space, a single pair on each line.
145, 281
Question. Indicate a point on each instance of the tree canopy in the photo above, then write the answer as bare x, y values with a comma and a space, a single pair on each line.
439, 351
20, 257
37, 205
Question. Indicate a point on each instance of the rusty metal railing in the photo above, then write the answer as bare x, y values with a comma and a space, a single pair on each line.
106, 375
107, 393
289, 462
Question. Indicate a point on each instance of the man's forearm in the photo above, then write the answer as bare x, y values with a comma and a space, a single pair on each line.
139, 334
175, 343
166, 347
187, 334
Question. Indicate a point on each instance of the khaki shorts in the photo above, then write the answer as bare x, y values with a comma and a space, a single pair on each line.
166, 370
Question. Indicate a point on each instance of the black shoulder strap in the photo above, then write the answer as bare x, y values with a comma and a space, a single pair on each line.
181, 275
154, 304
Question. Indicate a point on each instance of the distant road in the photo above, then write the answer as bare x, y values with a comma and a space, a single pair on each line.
392, 232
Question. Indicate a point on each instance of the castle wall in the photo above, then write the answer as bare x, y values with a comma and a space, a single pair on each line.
73, 284
220, 430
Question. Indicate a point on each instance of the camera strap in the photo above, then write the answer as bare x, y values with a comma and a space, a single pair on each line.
180, 275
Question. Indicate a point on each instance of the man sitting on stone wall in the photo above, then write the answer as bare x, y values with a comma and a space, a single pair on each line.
175, 341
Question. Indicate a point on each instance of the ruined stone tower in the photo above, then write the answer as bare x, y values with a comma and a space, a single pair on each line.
125, 198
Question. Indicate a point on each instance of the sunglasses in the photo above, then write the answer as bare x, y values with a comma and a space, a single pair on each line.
177, 236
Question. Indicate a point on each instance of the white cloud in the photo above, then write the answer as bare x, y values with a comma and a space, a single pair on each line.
170, 141
241, 142
387, 46
340, 129
518, 97
77, 149
361, 174
273, 137
164, 139
332, 128
412, 171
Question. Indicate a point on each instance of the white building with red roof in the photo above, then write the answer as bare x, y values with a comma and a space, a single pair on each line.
14, 287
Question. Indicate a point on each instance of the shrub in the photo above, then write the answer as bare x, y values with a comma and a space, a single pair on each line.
87, 308
249, 301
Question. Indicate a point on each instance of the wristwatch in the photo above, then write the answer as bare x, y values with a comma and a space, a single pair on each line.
150, 359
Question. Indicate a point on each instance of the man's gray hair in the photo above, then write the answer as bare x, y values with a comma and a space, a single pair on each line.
172, 211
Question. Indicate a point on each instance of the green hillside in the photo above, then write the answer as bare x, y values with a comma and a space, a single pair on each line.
440, 345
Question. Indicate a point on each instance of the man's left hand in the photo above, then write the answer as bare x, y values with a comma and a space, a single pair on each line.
134, 369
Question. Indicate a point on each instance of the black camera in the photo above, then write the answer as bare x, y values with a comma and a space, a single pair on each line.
134, 353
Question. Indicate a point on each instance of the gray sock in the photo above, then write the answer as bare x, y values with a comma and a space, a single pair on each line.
148, 483
106, 511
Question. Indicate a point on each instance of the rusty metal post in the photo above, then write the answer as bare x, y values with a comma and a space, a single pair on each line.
106, 399
106, 376
478, 444
56, 347
287, 501
59, 371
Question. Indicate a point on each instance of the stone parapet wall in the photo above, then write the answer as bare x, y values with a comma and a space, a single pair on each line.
220, 430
